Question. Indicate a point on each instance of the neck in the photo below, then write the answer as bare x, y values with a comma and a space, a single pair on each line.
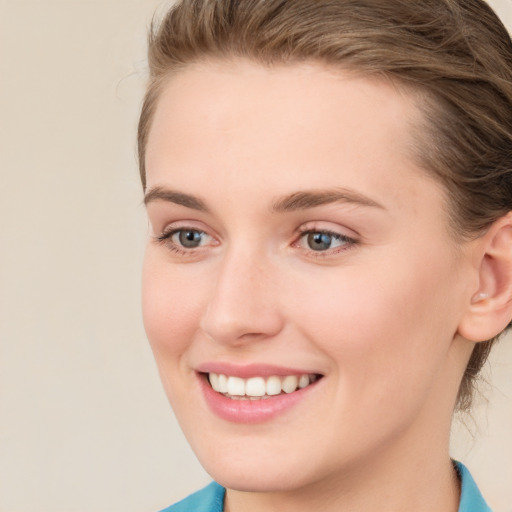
415, 484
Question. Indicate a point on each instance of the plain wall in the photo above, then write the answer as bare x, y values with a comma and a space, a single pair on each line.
84, 423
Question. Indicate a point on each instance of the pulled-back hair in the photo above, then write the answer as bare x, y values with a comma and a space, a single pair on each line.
454, 56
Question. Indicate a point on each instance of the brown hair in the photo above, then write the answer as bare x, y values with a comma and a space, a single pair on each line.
455, 54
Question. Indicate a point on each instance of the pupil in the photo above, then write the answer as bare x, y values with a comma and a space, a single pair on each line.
190, 238
319, 241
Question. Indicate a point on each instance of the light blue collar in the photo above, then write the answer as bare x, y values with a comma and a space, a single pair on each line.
470, 498
211, 498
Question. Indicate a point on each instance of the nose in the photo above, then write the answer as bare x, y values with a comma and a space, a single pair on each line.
244, 303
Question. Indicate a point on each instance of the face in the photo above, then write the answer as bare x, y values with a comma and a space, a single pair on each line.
302, 263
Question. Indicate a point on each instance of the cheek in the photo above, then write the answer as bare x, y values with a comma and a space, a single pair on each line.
383, 324
169, 308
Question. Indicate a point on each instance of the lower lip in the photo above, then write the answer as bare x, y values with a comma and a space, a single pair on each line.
251, 411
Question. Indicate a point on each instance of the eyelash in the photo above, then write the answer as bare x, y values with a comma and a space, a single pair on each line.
165, 239
348, 242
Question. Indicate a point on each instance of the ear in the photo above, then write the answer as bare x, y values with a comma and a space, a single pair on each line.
490, 306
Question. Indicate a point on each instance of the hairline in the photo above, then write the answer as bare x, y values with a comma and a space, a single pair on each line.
424, 101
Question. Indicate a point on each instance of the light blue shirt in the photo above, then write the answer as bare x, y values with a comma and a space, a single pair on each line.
470, 498
211, 498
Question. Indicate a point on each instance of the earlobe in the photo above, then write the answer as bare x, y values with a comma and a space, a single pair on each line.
479, 297
490, 308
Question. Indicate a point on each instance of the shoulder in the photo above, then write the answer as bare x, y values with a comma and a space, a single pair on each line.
209, 499
471, 500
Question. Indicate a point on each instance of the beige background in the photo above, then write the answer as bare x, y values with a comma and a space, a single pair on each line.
84, 424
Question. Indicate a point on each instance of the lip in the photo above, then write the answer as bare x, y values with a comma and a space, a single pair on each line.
250, 370
252, 411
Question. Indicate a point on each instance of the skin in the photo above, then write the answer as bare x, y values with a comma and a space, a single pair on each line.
378, 314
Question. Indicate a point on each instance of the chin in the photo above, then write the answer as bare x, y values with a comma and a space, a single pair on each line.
257, 479
255, 471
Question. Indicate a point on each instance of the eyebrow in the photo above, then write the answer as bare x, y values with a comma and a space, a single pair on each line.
171, 196
304, 200
301, 200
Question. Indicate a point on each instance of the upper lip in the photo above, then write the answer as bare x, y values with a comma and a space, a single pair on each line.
250, 370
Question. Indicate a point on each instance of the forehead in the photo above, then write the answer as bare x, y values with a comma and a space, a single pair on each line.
265, 128
238, 95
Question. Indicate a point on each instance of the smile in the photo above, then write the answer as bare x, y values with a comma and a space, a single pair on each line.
258, 388
255, 393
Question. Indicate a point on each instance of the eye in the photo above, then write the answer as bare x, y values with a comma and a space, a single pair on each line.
185, 240
188, 238
321, 241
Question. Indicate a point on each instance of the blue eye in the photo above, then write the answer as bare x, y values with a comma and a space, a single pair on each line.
186, 242
188, 238
321, 241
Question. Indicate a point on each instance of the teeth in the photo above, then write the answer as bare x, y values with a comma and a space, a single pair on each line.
236, 386
274, 386
303, 381
214, 381
258, 387
223, 384
255, 387
290, 383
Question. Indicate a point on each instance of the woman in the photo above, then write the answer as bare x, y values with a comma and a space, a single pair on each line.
329, 193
